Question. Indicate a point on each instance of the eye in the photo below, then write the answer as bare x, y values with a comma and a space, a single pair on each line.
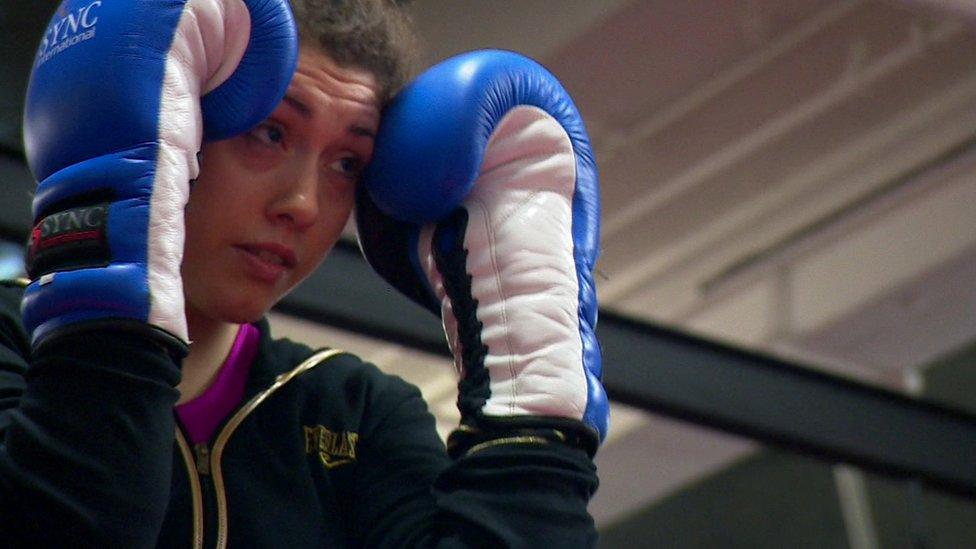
268, 134
349, 166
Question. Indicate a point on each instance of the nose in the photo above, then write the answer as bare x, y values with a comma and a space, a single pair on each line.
296, 202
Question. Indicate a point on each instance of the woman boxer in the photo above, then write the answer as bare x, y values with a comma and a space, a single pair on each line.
275, 445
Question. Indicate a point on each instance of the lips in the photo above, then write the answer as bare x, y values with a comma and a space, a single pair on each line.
267, 261
265, 255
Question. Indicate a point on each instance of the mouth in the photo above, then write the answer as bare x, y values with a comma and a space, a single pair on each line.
275, 254
268, 261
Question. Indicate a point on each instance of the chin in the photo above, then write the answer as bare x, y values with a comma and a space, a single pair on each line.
243, 318
238, 309
245, 313
234, 301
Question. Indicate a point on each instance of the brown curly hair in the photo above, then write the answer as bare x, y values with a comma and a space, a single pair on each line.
375, 35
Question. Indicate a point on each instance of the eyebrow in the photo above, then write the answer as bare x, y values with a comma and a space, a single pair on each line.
298, 106
305, 112
362, 131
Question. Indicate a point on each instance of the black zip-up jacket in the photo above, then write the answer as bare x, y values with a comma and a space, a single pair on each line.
325, 451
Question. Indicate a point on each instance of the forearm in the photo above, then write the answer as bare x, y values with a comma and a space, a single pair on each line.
503, 496
506, 491
87, 450
519, 495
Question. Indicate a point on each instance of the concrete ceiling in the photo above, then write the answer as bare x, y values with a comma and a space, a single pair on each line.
791, 176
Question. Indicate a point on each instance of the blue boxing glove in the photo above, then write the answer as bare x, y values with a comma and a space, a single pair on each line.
481, 203
121, 94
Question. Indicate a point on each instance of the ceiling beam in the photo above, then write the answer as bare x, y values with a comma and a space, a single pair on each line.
679, 375
957, 8
810, 108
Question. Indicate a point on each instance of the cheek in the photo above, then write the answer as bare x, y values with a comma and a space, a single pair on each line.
200, 250
210, 217
338, 208
206, 216
217, 172
335, 211
227, 188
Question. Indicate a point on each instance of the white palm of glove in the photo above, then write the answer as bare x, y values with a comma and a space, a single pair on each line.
207, 47
519, 241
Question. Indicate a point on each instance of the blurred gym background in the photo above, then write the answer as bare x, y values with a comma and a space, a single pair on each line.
790, 184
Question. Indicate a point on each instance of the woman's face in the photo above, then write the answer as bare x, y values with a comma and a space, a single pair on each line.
268, 205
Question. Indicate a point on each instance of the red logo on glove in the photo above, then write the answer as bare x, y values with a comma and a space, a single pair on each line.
70, 239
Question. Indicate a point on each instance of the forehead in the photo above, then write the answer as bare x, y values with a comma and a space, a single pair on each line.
320, 80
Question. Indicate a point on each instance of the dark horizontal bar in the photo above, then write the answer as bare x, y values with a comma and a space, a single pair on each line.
788, 405
675, 374
345, 293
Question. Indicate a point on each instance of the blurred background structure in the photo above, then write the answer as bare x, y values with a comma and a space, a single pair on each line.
787, 183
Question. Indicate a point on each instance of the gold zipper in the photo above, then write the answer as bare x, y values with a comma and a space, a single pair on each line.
202, 453
232, 424
195, 491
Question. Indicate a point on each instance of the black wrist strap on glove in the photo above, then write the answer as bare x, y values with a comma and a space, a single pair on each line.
172, 345
474, 435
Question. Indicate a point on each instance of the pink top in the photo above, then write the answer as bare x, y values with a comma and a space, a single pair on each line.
202, 415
